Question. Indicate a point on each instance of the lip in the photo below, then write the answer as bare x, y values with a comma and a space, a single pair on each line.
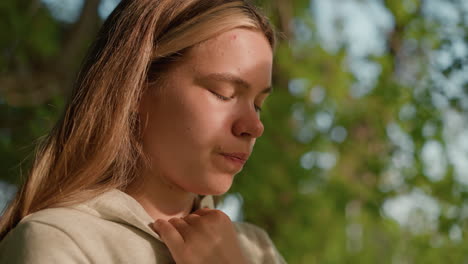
239, 156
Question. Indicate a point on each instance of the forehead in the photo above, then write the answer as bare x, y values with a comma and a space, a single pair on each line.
237, 51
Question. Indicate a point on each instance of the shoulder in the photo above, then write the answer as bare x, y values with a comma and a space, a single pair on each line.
55, 216
62, 223
258, 244
38, 239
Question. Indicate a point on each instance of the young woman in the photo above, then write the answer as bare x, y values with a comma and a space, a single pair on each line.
164, 113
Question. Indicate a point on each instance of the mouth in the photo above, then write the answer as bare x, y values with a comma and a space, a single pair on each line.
238, 156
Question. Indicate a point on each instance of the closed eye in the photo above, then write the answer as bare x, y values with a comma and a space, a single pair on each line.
224, 98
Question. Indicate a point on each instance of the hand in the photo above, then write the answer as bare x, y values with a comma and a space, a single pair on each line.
206, 236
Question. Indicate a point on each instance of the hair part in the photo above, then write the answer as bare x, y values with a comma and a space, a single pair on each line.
95, 146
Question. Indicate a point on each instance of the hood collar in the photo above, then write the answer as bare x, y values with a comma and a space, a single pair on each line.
117, 206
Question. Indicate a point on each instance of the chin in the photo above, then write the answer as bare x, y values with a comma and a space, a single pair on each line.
215, 190
218, 187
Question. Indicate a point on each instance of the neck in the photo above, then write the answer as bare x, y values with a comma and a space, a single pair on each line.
160, 198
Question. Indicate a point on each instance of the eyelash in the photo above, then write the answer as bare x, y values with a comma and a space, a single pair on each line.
224, 98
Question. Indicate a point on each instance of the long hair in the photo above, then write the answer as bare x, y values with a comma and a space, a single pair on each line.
95, 145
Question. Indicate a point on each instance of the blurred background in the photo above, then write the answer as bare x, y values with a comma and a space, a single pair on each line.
365, 154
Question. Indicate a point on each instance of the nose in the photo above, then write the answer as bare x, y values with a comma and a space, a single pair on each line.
248, 124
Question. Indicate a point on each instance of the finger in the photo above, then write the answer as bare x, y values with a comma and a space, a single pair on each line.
203, 211
169, 235
191, 218
211, 213
181, 226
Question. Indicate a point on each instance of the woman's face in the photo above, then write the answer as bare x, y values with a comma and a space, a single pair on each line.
202, 125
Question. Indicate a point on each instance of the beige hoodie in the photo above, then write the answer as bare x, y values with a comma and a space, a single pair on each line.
111, 228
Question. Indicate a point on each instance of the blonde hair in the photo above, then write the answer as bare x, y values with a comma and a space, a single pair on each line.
95, 146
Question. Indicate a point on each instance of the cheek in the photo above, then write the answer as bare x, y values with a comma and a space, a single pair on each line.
192, 124
205, 121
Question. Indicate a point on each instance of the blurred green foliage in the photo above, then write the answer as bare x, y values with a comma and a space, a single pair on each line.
338, 156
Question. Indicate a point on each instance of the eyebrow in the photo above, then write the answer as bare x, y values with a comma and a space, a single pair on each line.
234, 79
